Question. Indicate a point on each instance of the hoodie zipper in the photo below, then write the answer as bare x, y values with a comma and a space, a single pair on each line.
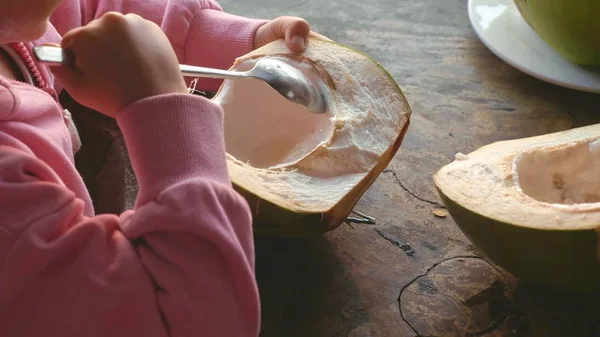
41, 84
35, 72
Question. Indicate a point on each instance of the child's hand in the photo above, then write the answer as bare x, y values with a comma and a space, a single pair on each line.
293, 30
119, 59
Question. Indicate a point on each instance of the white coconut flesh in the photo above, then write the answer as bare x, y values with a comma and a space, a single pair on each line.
567, 175
547, 182
264, 129
302, 161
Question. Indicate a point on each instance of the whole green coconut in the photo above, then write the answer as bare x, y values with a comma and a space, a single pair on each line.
571, 27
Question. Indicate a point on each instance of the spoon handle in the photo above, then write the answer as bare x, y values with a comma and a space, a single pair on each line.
50, 55
194, 71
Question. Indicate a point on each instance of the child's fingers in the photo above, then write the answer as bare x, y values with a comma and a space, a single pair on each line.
296, 32
292, 29
78, 47
115, 59
67, 73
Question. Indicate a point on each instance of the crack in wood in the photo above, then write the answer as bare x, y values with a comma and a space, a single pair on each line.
406, 248
410, 192
416, 278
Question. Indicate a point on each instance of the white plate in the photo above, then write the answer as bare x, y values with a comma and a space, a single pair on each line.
501, 28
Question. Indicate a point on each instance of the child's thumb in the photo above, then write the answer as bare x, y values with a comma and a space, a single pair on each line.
296, 31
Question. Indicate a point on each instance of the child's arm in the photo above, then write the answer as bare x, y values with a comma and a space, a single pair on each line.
181, 264
199, 31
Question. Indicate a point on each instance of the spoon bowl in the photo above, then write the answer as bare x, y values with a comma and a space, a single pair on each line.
290, 82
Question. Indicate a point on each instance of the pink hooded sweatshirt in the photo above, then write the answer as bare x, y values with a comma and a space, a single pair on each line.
182, 262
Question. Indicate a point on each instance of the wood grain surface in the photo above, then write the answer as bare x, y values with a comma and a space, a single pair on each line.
413, 273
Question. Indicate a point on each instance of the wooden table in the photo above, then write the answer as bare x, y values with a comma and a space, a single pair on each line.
412, 273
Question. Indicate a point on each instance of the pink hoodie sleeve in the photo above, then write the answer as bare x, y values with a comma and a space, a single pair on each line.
199, 31
180, 264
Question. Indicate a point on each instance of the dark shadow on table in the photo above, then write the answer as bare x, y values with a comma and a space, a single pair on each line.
539, 311
303, 287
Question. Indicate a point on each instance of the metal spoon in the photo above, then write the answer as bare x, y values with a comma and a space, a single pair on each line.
286, 79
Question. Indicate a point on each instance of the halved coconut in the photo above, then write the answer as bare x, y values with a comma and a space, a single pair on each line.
532, 205
303, 173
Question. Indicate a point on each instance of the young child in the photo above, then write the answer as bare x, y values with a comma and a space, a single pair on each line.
182, 262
